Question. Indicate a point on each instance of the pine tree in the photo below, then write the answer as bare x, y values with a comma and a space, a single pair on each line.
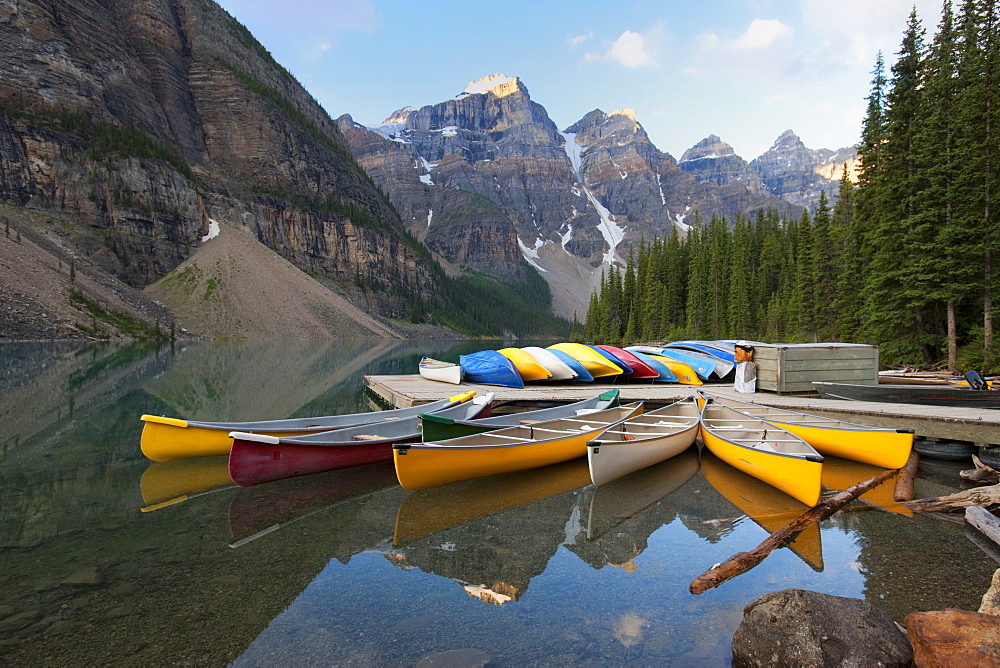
939, 245
740, 316
895, 315
846, 236
805, 273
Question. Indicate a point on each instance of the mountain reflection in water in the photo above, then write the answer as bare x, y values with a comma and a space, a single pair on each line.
108, 558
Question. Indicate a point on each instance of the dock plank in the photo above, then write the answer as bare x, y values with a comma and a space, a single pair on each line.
962, 424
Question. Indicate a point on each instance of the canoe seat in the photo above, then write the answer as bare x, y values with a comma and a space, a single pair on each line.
367, 437
390, 418
528, 421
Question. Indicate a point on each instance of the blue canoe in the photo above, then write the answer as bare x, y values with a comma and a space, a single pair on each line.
712, 348
573, 363
703, 364
666, 375
490, 368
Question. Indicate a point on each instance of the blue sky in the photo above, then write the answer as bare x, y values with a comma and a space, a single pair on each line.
745, 71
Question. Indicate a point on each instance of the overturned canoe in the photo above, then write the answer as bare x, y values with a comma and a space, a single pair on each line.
490, 368
555, 365
664, 374
440, 427
423, 465
597, 364
446, 372
765, 451
644, 440
684, 373
167, 439
703, 364
641, 369
878, 446
260, 458
526, 365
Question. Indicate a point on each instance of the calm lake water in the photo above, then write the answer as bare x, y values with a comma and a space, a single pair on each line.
107, 558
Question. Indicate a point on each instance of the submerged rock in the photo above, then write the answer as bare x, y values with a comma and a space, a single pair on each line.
805, 628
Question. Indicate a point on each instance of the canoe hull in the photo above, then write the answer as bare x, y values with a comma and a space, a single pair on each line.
425, 465
800, 479
596, 364
166, 439
886, 449
490, 368
787, 462
878, 446
252, 463
610, 461
436, 428
445, 372
614, 455
927, 395
526, 365
426, 468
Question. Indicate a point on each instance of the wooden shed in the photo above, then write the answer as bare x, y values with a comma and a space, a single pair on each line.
790, 368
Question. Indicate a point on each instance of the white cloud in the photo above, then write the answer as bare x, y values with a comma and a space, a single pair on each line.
632, 49
762, 33
574, 42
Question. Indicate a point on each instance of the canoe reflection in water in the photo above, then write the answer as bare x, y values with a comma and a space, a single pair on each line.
617, 519
259, 510
491, 535
166, 483
768, 507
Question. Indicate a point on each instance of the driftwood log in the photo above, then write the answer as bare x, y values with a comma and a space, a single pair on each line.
907, 474
984, 521
982, 474
741, 562
987, 497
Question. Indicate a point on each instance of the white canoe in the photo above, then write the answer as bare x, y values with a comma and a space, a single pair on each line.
559, 369
643, 441
446, 372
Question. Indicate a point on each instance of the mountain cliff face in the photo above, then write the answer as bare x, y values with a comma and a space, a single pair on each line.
569, 199
798, 174
137, 120
714, 161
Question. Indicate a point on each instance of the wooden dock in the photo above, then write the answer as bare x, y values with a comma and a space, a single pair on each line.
934, 422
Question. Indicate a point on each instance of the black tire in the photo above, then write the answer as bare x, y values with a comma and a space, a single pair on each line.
951, 451
990, 457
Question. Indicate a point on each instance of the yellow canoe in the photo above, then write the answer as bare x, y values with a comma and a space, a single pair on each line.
878, 446
525, 364
686, 375
597, 364
167, 439
424, 465
766, 506
763, 450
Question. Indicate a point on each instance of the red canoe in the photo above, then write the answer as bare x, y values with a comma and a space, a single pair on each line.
259, 458
639, 368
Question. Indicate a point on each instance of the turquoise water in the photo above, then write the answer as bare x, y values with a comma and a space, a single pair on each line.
107, 558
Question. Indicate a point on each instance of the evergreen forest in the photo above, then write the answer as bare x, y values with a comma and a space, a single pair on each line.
903, 259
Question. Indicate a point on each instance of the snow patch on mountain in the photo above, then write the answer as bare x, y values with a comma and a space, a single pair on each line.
531, 254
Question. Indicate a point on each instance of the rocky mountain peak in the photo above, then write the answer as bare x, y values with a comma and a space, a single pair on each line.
798, 174
714, 161
400, 115
710, 147
500, 85
787, 140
